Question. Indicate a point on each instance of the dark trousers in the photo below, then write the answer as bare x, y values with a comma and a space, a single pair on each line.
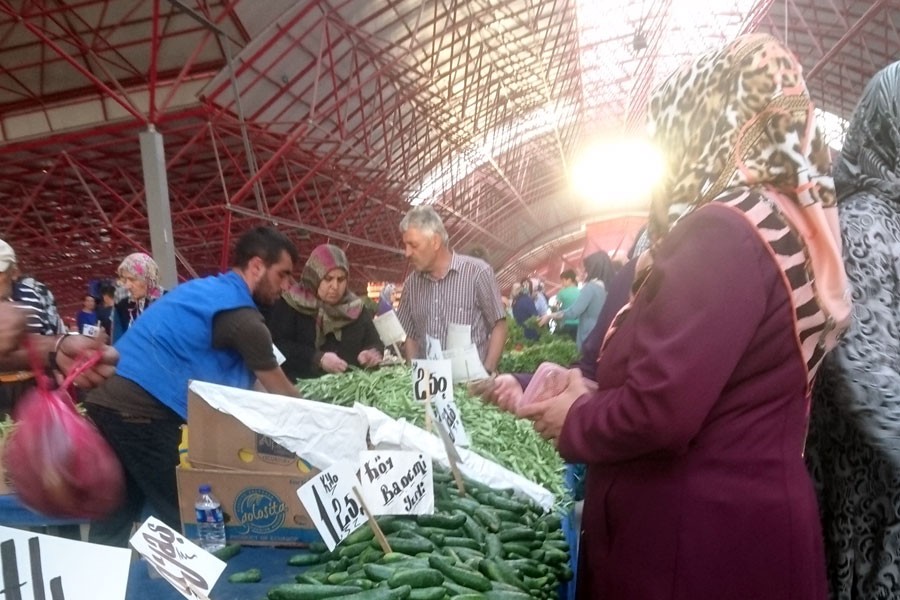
148, 451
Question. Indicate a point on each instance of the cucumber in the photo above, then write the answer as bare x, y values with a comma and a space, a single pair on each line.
442, 521
463, 553
353, 550
498, 571
416, 578
306, 591
493, 547
517, 534
318, 547
519, 548
392, 557
411, 546
462, 542
377, 572
462, 576
503, 503
457, 590
248, 576
474, 530
337, 578
487, 518
227, 551
506, 595
304, 560
553, 556
365, 584
310, 576
472, 596
380, 593
428, 593
361, 534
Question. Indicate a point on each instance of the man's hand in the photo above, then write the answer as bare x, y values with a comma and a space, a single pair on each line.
369, 358
74, 347
12, 327
332, 363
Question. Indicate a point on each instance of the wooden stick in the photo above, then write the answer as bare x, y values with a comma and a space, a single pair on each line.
428, 411
452, 458
379, 535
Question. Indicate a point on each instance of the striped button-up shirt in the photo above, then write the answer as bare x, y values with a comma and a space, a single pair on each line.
467, 295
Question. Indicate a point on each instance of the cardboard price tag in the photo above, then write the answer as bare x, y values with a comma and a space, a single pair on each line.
189, 568
331, 503
396, 482
447, 414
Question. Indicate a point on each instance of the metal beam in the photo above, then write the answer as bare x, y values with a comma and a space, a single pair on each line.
847, 37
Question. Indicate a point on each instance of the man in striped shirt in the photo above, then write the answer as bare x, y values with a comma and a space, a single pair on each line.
447, 287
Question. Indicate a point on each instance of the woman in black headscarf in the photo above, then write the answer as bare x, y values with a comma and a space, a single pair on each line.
854, 443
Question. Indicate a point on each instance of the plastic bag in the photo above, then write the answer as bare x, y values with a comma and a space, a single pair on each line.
57, 461
549, 380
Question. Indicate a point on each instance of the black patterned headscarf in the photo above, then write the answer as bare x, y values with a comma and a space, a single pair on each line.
870, 159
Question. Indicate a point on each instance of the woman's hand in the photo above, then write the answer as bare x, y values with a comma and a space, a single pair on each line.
332, 363
369, 358
549, 415
505, 393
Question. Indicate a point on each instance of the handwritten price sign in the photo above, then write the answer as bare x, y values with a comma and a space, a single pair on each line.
190, 569
433, 379
396, 482
331, 503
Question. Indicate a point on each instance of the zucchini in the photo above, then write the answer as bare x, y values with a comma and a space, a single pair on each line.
249, 576
416, 578
227, 551
306, 591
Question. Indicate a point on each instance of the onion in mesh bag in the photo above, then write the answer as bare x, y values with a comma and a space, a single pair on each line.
57, 461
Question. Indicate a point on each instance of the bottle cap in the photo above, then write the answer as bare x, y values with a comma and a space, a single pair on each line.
204, 489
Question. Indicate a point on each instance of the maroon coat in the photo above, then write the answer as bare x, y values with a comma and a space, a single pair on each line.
696, 485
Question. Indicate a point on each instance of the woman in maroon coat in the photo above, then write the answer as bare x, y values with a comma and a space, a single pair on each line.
694, 435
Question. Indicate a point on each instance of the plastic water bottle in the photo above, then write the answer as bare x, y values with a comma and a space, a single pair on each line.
210, 521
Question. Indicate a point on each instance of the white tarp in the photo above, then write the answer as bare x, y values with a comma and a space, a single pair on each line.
325, 434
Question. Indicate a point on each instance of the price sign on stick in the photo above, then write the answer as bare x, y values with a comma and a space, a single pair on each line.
189, 568
432, 382
331, 503
453, 457
396, 482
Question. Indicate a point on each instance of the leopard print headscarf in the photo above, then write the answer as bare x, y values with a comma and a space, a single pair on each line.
737, 126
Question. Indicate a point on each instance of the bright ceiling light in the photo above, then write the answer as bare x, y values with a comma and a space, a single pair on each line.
618, 173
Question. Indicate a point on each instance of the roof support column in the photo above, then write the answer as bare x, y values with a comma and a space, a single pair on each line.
156, 193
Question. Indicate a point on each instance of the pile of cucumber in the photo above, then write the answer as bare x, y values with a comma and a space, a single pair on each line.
484, 545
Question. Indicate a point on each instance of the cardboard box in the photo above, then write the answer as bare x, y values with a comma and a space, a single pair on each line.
219, 441
261, 509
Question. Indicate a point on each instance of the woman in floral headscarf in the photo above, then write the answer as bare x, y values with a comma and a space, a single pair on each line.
696, 486
854, 442
319, 325
139, 275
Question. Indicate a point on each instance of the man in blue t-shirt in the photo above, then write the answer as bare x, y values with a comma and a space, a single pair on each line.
208, 329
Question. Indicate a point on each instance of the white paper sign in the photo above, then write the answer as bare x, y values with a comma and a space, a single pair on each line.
389, 328
466, 364
279, 356
189, 568
433, 349
433, 378
331, 503
43, 566
458, 336
397, 482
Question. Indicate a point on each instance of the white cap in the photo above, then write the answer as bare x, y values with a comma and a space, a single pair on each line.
7, 256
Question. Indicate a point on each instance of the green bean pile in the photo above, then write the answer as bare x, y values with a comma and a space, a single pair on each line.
494, 434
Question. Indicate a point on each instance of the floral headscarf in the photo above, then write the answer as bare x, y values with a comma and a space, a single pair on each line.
870, 159
143, 267
303, 295
737, 123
